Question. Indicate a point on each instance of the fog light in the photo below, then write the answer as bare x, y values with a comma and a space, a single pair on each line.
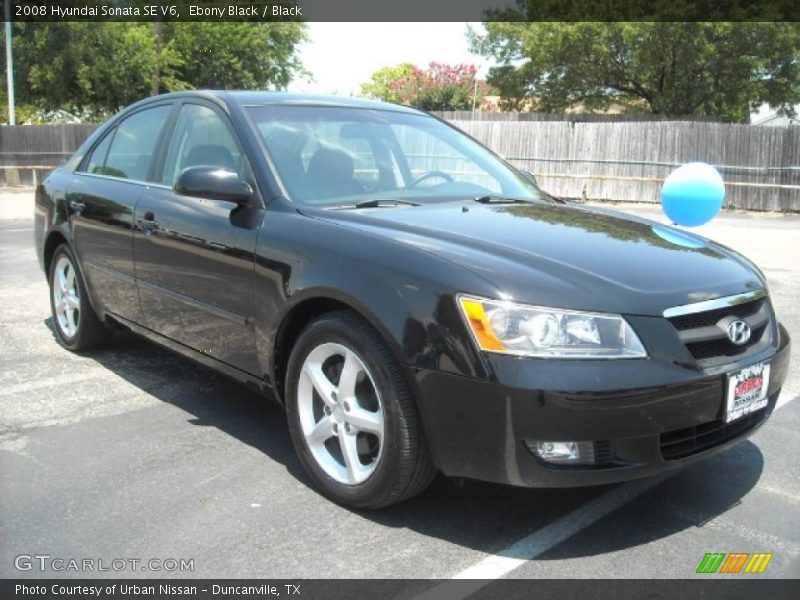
563, 453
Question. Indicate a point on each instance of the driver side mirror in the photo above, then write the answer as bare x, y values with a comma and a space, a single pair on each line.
530, 177
215, 183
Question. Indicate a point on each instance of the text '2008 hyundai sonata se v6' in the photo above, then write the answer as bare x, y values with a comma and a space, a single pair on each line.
414, 302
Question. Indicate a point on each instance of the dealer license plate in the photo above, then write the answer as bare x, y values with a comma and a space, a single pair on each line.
747, 391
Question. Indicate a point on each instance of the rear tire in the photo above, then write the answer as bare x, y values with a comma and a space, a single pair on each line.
77, 326
352, 417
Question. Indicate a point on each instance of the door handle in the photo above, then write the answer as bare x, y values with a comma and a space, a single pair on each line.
148, 223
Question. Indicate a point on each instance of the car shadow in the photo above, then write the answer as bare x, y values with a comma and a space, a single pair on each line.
211, 399
480, 516
491, 517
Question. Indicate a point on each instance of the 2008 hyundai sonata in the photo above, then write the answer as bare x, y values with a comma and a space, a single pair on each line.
414, 302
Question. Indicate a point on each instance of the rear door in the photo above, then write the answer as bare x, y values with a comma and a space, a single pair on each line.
195, 257
101, 199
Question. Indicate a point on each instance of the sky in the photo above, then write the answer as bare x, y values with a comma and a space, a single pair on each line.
342, 56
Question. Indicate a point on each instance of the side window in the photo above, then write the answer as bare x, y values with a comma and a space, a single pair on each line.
98, 158
201, 138
133, 144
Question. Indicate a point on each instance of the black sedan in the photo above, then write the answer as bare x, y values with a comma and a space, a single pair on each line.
414, 302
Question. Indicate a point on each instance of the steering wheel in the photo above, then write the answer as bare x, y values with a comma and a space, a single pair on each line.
429, 175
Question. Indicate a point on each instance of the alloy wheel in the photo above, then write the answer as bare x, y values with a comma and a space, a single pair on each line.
66, 297
341, 414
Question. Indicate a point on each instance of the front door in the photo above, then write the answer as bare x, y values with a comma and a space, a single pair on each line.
195, 257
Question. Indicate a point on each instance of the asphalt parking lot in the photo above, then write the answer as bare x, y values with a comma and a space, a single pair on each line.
133, 452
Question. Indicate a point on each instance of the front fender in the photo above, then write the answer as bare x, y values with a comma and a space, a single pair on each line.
406, 294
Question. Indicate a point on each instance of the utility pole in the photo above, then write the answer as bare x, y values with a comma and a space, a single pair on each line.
9, 65
156, 86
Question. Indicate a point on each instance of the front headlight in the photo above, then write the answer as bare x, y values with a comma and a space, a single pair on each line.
508, 328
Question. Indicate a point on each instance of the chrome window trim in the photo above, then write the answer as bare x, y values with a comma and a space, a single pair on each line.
124, 180
706, 305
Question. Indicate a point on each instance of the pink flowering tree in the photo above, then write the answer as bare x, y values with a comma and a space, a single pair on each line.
439, 87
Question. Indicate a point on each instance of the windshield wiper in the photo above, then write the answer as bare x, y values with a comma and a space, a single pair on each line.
378, 202
501, 200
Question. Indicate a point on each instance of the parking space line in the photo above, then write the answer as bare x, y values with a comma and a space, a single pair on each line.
15, 230
537, 543
497, 565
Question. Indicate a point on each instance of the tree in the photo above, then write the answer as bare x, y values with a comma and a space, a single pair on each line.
86, 68
382, 80
93, 69
237, 55
670, 68
440, 87
644, 11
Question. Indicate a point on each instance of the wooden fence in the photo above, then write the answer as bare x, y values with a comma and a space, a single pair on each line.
629, 161
468, 115
619, 161
29, 152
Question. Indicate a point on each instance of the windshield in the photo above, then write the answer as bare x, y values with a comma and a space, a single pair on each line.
333, 156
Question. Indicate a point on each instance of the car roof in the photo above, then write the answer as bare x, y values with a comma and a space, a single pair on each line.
256, 98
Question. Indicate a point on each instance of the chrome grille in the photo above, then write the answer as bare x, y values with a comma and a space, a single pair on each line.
723, 346
704, 331
710, 317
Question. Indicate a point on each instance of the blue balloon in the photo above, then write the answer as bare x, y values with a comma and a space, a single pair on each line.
692, 194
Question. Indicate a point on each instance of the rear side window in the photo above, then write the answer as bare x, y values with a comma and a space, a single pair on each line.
98, 159
132, 145
201, 138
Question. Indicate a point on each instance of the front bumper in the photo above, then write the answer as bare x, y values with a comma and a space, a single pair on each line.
646, 416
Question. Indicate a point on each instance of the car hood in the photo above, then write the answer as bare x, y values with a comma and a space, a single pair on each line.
566, 255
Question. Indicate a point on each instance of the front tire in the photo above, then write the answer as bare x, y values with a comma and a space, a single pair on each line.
77, 326
352, 417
